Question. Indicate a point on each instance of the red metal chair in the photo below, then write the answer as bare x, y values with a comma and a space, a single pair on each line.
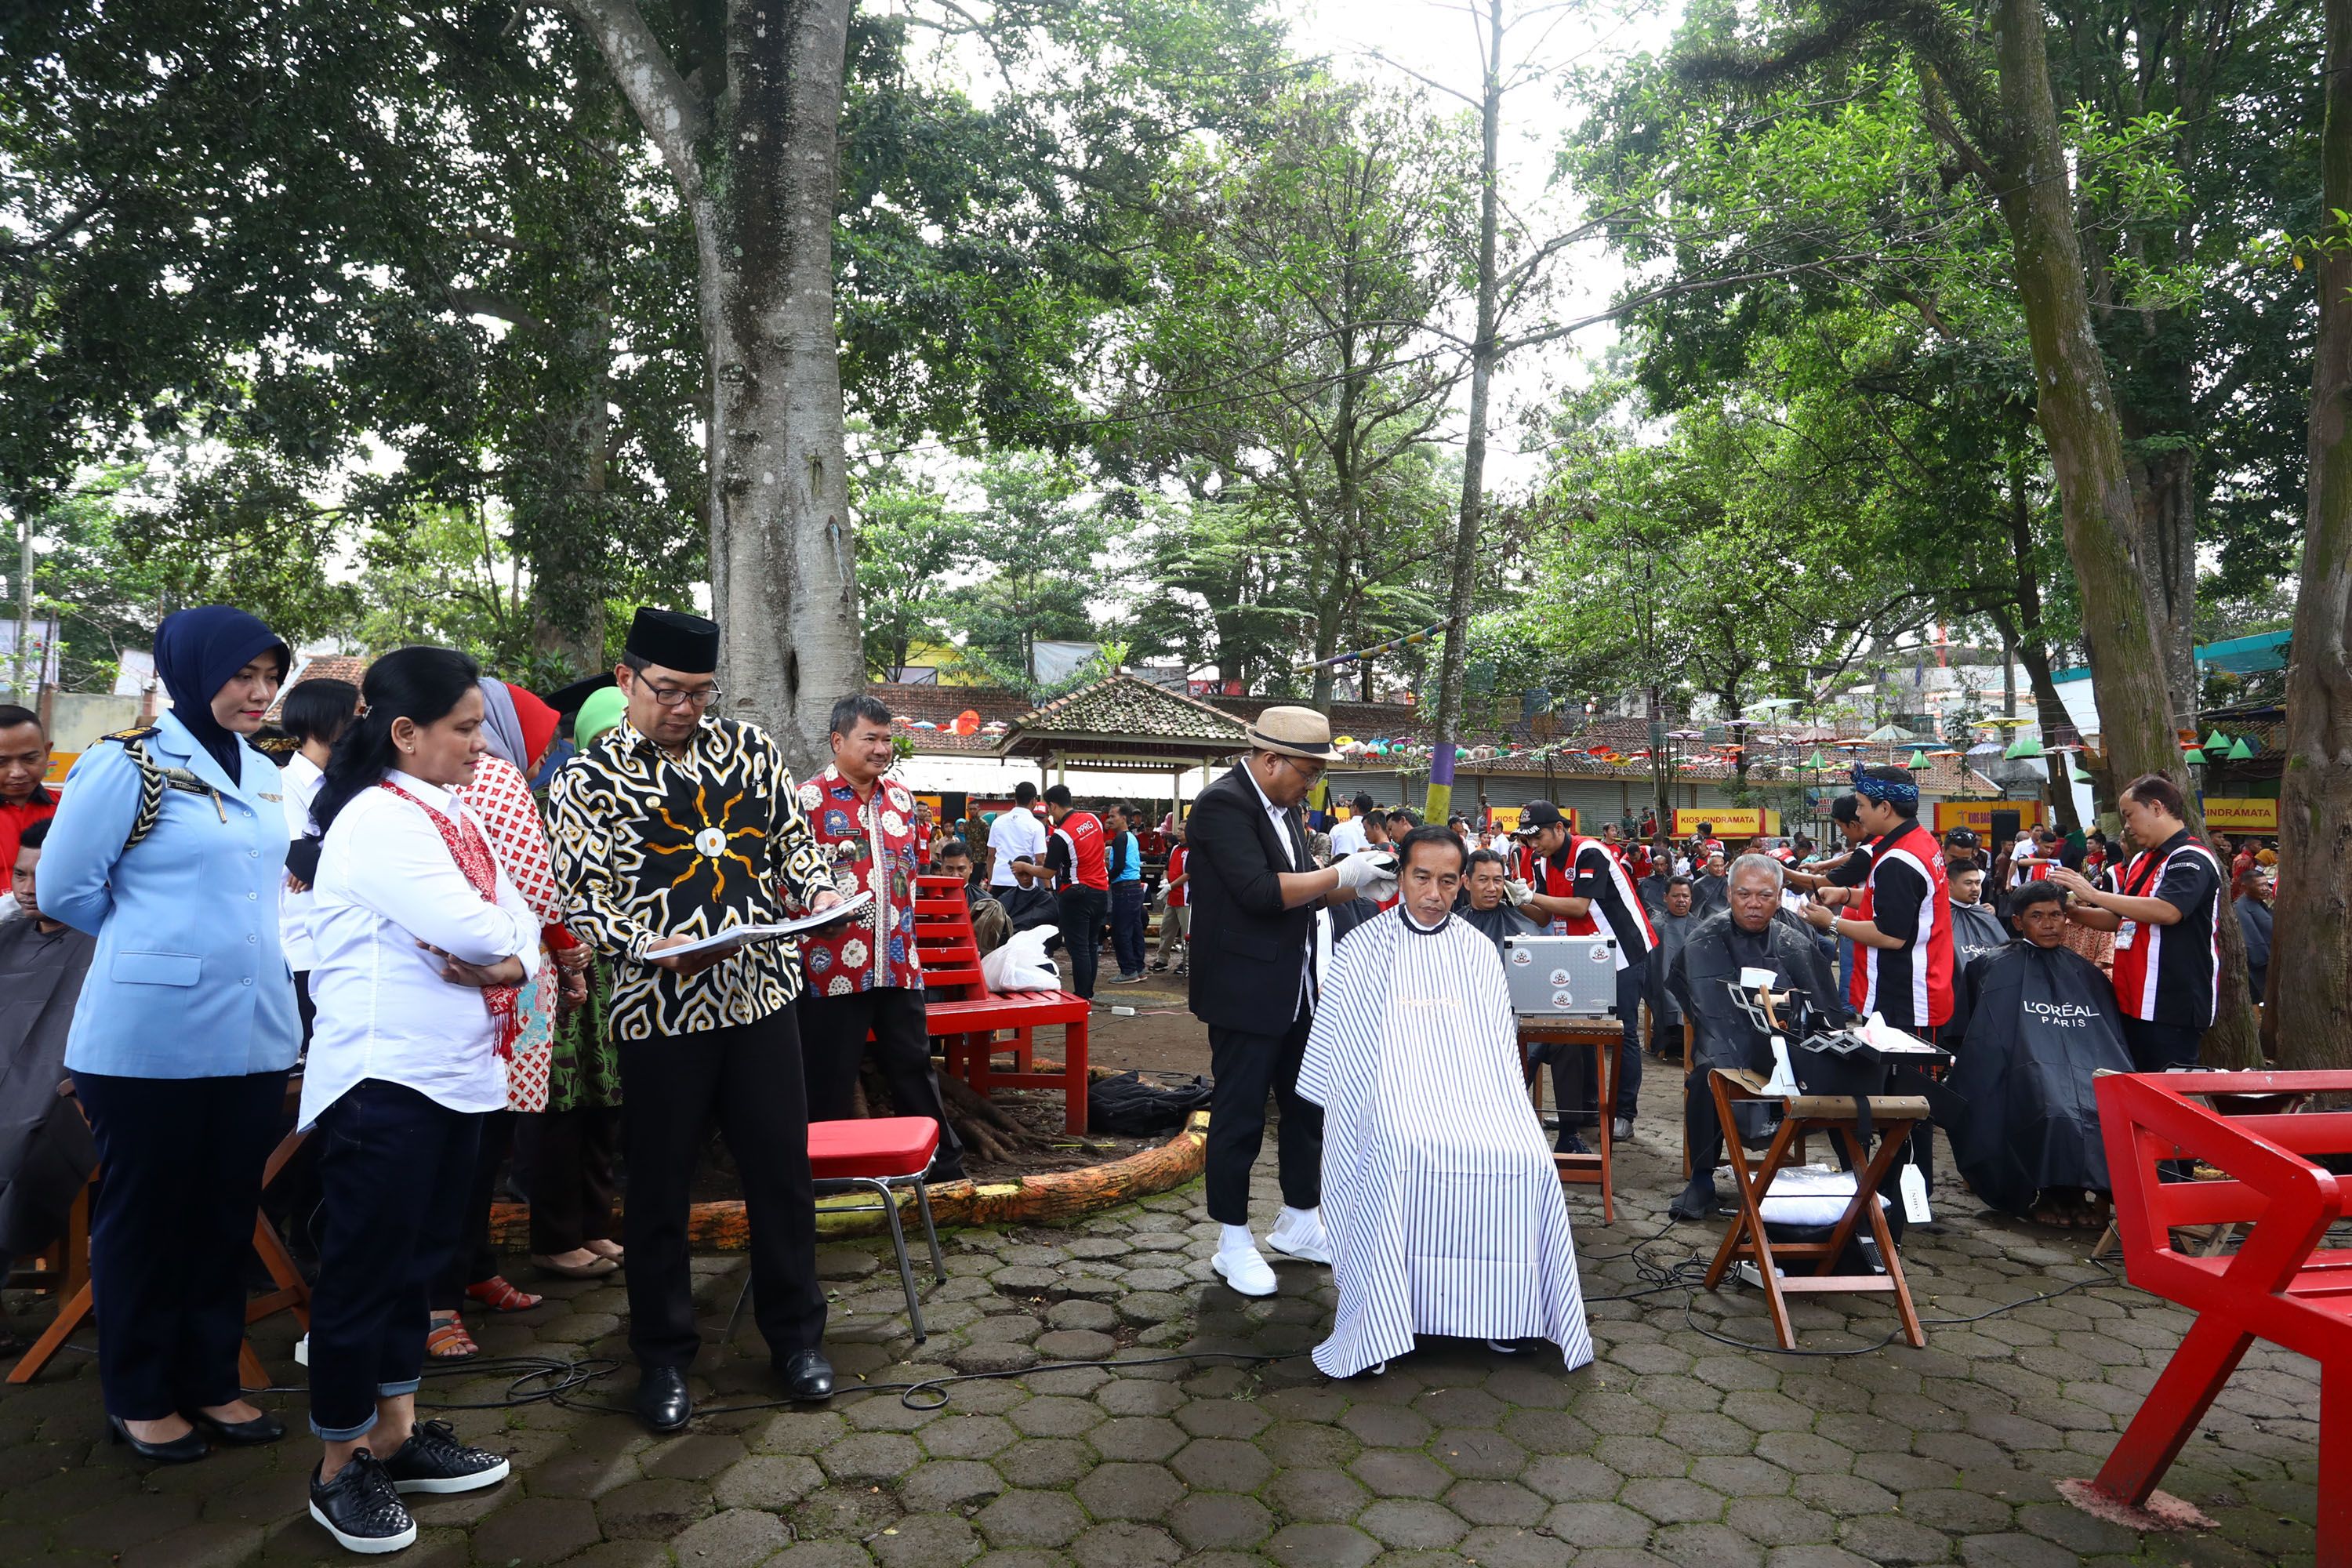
884, 1153
2279, 1286
969, 1020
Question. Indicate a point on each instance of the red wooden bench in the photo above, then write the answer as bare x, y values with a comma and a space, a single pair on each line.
971, 1023
2281, 1285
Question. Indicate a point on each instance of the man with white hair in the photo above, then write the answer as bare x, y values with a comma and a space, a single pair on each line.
1745, 935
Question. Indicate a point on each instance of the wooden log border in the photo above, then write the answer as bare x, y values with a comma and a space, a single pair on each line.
1045, 1199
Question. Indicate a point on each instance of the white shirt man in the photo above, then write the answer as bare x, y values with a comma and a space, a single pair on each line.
1015, 835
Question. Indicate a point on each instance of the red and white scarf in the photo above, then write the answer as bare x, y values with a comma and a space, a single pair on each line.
472, 853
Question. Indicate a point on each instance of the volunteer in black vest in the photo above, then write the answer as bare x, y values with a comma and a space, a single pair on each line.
1259, 949
2168, 955
1581, 881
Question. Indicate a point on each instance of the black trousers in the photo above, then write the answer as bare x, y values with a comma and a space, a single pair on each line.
1247, 1065
747, 1078
1573, 1082
1084, 912
472, 1258
563, 1161
396, 1167
833, 1032
179, 1164
2155, 1046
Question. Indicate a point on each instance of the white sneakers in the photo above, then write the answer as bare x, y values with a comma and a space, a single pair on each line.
1298, 1234
1244, 1270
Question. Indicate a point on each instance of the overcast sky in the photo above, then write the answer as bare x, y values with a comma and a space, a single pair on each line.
1389, 38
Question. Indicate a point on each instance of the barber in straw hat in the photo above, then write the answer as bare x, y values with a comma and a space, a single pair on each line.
1260, 939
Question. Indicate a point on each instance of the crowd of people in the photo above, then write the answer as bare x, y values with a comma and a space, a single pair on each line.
479, 940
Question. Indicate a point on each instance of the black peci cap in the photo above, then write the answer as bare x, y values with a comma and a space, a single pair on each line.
675, 640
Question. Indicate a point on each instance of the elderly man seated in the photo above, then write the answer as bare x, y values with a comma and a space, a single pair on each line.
2036, 1021
45, 1152
1484, 905
1442, 1202
1746, 935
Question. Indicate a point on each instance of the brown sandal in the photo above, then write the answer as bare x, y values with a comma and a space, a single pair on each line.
448, 1340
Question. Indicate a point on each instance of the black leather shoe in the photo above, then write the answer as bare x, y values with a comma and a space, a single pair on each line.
1696, 1202
185, 1449
806, 1374
662, 1401
263, 1428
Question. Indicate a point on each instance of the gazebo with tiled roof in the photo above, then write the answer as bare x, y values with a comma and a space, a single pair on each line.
1124, 724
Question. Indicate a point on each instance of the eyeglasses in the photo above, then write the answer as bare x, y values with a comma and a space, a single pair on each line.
676, 697
1310, 772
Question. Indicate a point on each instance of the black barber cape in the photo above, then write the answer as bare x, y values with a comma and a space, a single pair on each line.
2039, 1023
1674, 934
45, 1152
1494, 924
1976, 931
1716, 952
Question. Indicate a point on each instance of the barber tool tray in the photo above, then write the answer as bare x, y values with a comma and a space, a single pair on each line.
1561, 977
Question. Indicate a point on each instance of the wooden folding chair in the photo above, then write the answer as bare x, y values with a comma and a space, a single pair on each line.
1747, 1239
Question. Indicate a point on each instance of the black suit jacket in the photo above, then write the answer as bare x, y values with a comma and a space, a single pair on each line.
1247, 949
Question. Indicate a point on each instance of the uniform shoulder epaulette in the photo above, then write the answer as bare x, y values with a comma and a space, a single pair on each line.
151, 779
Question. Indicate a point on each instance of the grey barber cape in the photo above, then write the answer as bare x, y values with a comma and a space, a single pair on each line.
46, 1150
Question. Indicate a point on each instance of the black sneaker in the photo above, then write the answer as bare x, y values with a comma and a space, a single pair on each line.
360, 1508
433, 1460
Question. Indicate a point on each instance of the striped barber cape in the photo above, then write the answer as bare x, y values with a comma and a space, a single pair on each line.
1444, 1210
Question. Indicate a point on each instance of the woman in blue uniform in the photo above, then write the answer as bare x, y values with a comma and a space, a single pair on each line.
185, 1029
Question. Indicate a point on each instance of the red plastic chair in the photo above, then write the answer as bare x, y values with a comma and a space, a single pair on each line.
884, 1153
2279, 1286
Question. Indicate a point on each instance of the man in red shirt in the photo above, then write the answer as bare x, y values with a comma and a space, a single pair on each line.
1074, 856
1581, 882
23, 759
1176, 925
864, 990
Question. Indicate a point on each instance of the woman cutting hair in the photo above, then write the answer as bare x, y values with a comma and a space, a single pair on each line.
169, 848
422, 945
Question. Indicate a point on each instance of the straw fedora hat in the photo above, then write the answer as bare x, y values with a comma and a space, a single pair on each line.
1293, 732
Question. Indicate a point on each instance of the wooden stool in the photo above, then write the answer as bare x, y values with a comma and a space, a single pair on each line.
291, 1292
1746, 1239
1601, 1036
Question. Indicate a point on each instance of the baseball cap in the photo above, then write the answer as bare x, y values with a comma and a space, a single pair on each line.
1535, 817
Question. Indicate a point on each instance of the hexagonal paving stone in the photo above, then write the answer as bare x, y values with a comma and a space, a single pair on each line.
1222, 1464
735, 1539
950, 1484
1031, 1518
1411, 1522
1322, 1546
658, 1509
870, 1457
1222, 1418
1209, 1520
1051, 1415
531, 1531
1392, 1474
927, 1541
1129, 1491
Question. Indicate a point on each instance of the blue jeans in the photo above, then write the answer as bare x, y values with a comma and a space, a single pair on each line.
1127, 925
395, 1168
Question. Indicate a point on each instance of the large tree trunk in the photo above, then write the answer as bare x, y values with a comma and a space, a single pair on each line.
2312, 944
757, 168
1474, 446
2076, 407
2165, 487
2032, 647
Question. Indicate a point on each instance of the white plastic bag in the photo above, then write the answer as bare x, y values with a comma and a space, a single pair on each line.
1021, 964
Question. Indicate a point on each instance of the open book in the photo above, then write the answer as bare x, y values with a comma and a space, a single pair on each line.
735, 937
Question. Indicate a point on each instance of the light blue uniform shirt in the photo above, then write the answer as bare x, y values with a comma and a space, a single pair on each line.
189, 980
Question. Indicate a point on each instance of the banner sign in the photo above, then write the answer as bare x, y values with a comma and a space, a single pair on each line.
1506, 818
1729, 821
2241, 816
1977, 815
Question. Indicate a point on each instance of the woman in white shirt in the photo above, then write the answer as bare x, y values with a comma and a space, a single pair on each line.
421, 942
314, 713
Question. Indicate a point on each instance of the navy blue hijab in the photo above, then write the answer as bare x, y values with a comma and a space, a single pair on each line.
196, 653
